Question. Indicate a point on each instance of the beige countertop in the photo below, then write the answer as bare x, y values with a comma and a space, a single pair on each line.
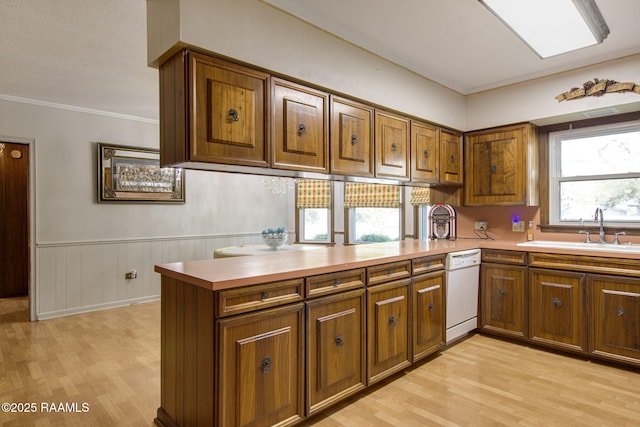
224, 273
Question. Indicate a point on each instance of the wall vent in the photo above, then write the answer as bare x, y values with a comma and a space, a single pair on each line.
601, 113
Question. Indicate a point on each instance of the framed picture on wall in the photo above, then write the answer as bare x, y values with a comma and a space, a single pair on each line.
133, 174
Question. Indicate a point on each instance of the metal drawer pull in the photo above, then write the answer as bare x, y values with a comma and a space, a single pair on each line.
392, 321
302, 129
354, 139
621, 311
339, 341
266, 365
337, 282
265, 295
502, 293
430, 307
556, 301
426, 153
394, 147
453, 159
389, 272
233, 115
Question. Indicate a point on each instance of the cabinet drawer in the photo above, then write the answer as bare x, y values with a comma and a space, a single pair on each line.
386, 272
251, 298
504, 257
326, 284
427, 264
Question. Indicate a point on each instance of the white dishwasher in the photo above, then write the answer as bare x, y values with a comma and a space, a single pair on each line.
463, 278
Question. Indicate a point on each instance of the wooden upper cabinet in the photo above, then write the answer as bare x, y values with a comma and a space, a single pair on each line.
392, 146
425, 153
227, 121
451, 170
351, 137
502, 167
300, 127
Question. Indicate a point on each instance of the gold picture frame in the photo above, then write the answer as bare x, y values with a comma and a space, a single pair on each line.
133, 174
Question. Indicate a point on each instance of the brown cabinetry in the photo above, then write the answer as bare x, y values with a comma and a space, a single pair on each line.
557, 309
212, 111
351, 134
501, 166
615, 318
391, 146
261, 368
300, 126
428, 302
503, 299
451, 158
387, 329
335, 348
425, 153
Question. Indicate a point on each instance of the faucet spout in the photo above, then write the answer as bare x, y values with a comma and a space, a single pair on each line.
599, 218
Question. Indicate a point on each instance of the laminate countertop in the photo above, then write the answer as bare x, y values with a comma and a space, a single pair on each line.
225, 273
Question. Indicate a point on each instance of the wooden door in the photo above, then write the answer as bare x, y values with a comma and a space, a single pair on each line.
615, 319
14, 226
503, 300
261, 368
392, 146
557, 309
451, 170
428, 314
388, 329
425, 153
351, 137
300, 125
228, 121
335, 348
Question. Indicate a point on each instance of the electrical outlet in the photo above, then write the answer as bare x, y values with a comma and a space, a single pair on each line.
482, 225
517, 226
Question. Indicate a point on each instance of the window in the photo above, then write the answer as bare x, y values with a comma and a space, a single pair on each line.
595, 167
373, 212
313, 200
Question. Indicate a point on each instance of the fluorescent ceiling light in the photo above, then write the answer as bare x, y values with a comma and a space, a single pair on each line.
552, 27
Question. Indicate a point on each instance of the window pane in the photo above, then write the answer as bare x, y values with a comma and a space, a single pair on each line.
316, 224
619, 198
376, 224
601, 155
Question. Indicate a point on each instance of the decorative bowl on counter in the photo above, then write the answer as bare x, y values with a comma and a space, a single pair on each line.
275, 237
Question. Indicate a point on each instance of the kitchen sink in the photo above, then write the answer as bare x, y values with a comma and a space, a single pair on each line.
601, 247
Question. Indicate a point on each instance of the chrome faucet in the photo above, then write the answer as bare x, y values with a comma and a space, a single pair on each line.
599, 218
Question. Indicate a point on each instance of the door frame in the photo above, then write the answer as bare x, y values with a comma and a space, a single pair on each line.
30, 142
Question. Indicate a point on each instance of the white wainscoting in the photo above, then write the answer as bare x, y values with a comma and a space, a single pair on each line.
77, 277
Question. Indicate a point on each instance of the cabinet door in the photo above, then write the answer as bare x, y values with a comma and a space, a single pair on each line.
503, 300
451, 170
425, 153
351, 137
392, 146
335, 349
228, 121
615, 319
428, 314
388, 329
557, 309
261, 367
300, 127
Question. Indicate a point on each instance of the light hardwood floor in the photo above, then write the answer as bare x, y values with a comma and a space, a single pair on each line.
111, 360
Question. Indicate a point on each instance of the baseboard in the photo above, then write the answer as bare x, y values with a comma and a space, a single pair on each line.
97, 307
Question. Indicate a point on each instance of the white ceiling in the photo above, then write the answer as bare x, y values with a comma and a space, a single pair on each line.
92, 54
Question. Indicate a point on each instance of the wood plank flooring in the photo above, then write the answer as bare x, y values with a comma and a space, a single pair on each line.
111, 360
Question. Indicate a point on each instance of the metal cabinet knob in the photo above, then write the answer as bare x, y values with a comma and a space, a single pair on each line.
302, 129
339, 341
556, 301
232, 115
266, 365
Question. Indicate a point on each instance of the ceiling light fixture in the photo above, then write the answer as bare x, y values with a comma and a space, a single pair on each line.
552, 27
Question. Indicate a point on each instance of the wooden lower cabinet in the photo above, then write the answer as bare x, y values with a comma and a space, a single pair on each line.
335, 348
557, 303
428, 291
388, 329
503, 300
260, 370
615, 317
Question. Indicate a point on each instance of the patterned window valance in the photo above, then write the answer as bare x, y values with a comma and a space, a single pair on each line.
360, 195
420, 196
313, 193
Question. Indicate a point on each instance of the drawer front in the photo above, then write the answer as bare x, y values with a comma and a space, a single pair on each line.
251, 298
385, 272
504, 257
326, 284
427, 264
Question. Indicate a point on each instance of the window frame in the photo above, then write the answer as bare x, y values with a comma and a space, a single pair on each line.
301, 226
544, 132
350, 217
